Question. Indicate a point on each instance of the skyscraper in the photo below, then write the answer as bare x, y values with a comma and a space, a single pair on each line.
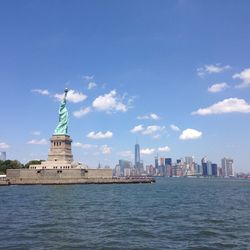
137, 155
3, 156
123, 165
214, 169
168, 166
189, 163
168, 161
156, 162
227, 167
204, 164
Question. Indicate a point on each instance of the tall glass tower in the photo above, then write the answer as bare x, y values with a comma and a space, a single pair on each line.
137, 155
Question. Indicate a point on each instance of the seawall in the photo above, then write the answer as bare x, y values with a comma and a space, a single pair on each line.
78, 181
67, 176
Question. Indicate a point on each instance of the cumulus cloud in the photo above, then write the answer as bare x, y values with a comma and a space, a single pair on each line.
41, 91
92, 85
105, 149
149, 130
211, 69
37, 142
244, 76
83, 146
218, 87
230, 105
4, 145
72, 96
164, 149
147, 151
152, 116
110, 102
190, 134
82, 112
137, 129
174, 128
100, 135
153, 130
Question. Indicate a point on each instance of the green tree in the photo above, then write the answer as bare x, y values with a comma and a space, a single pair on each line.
9, 164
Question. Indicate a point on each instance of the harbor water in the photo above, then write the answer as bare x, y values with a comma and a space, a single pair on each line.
173, 213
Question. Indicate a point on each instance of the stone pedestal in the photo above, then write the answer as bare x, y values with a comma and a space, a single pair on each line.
60, 149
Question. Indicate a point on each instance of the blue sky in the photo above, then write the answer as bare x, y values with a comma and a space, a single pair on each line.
134, 68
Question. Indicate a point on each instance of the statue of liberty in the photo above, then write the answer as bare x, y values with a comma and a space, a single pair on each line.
62, 127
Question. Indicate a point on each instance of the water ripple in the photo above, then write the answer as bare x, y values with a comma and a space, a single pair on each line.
171, 214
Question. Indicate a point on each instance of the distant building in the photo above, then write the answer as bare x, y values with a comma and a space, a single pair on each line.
3, 156
162, 167
124, 165
189, 160
162, 161
137, 156
127, 172
117, 172
204, 164
178, 169
150, 170
168, 161
197, 169
209, 168
214, 169
168, 166
227, 167
189, 163
178, 161
156, 163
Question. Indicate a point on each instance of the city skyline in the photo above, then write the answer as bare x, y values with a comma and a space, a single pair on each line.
186, 166
171, 75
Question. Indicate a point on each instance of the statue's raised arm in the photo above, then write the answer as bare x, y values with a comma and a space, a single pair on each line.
62, 127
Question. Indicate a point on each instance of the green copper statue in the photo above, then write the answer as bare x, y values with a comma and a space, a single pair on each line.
62, 127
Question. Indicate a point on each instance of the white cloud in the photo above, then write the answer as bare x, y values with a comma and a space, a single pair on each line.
92, 85
137, 129
147, 151
245, 77
37, 142
230, 105
174, 128
152, 129
126, 153
152, 116
82, 112
72, 96
105, 149
41, 91
4, 145
100, 135
164, 149
36, 132
211, 69
218, 87
83, 146
190, 134
88, 78
109, 103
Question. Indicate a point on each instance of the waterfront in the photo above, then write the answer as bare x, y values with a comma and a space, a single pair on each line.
174, 213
